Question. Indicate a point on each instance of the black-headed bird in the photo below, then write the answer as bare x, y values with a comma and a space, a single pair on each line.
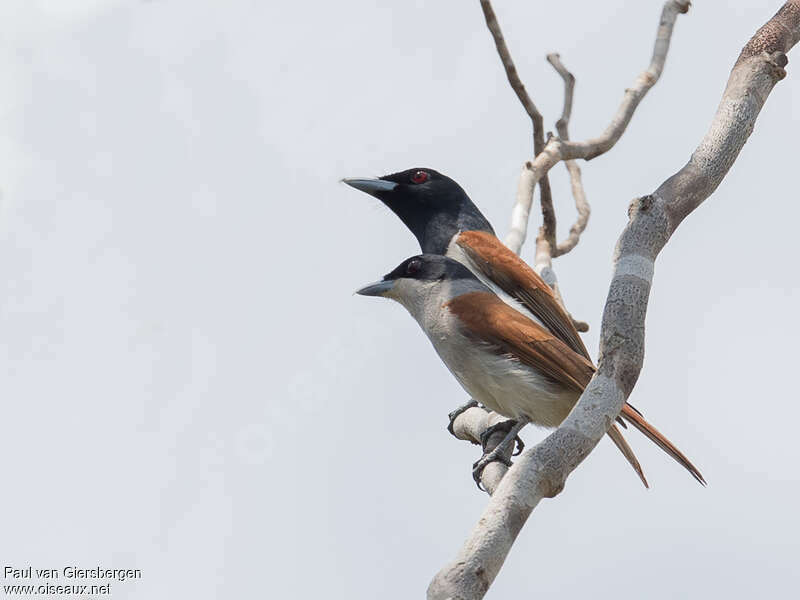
445, 221
504, 359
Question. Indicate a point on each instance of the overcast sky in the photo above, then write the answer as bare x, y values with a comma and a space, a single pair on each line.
189, 386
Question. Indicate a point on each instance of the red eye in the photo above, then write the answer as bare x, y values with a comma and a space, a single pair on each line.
419, 177
414, 266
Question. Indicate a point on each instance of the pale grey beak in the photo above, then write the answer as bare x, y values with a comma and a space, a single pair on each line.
379, 288
370, 185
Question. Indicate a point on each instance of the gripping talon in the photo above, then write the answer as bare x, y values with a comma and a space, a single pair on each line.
520, 446
484, 461
500, 452
455, 414
502, 426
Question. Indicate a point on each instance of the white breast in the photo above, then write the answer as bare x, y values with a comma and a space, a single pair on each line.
501, 383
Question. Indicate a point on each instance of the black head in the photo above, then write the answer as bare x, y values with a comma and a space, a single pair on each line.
424, 267
433, 206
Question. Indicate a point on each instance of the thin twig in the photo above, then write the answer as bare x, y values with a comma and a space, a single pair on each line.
569, 90
562, 126
546, 199
557, 149
545, 251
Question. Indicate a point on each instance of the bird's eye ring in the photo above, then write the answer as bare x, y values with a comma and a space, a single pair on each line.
420, 177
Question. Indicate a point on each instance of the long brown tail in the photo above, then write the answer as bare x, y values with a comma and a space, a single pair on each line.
626, 450
633, 417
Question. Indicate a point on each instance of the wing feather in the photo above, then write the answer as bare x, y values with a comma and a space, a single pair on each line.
511, 274
491, 320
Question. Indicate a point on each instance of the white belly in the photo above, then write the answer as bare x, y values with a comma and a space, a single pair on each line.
502, 384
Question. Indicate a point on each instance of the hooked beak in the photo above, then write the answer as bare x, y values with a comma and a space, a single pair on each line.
379, 288
370, 185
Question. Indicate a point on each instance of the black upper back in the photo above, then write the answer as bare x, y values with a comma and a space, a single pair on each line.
433, 207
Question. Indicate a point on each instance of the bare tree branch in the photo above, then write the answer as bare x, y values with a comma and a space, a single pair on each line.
558, 149
545, 250
569, 90
541, 471
469, 426
562, 127
548, 213
546, 242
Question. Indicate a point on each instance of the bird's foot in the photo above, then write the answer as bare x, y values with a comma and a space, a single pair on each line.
506, 427
454, 415
500, 452
489, 457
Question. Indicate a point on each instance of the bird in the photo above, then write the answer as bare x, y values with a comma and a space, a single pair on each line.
447, 222
505, 360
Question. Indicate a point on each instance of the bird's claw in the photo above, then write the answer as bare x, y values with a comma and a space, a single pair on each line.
455, 414
501, 451
505, 427
479, 465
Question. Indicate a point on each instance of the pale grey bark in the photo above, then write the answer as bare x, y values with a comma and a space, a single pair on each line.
545, 248
576, 183
542, 471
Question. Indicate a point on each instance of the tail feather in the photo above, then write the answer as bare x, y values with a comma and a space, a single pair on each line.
636, 419
616, 437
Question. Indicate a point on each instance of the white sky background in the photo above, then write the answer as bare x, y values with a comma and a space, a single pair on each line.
189, 386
